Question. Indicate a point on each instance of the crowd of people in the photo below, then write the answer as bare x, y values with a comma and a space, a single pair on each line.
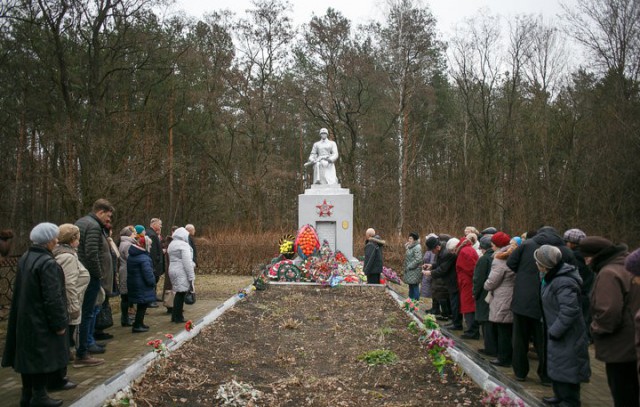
60, 305
561, 293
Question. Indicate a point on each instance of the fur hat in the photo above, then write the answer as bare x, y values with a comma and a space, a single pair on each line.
592, 245
68, 233
6, 234
547, 256
500, 239
632, 263
43, 233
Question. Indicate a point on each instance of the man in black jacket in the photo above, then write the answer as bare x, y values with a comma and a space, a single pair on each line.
94, 253
373, 257
445, 268
526, 304
154, 231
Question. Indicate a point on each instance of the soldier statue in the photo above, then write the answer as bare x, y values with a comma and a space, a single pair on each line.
323, 157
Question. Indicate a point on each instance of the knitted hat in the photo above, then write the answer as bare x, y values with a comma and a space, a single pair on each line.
139, 229
592, 245
68, 233
518, 240
500, 239
547, 256
632, 263
432, 243
43, 233
485, 242
126, 231
574, 236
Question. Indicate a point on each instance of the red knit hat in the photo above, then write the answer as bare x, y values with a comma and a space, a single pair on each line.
500, 239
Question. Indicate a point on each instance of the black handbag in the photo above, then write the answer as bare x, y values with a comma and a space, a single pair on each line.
104, 319
190, 297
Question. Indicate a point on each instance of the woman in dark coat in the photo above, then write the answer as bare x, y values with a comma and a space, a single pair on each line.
36, 343
480, 275
141, 281
567, 339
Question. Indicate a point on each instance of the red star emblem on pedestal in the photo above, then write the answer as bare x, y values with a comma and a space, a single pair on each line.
324, 209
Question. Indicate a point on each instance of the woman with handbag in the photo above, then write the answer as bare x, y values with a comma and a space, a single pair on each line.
181, 271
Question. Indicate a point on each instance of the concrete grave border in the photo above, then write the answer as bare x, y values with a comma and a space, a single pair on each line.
106, 390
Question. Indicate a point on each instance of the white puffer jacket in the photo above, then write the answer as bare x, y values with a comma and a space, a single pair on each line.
181, 265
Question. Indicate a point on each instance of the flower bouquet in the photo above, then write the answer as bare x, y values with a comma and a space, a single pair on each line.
391, 275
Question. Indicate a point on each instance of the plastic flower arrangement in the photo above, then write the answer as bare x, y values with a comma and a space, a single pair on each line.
285, 246
160, 347
499, 398
437, 345
391, 275
188, 325
410, 306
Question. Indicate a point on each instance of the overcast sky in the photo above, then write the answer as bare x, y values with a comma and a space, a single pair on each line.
447, 12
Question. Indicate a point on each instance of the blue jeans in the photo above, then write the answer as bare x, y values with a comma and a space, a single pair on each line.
414, 291
88, 319
92, 325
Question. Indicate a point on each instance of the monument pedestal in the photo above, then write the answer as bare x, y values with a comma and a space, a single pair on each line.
329, 209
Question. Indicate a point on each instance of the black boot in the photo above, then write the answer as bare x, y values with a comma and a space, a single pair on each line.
25, 399
40, 398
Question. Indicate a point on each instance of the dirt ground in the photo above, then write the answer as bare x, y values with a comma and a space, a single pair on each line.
300, 346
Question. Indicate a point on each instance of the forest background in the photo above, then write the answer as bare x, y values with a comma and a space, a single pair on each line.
209, 121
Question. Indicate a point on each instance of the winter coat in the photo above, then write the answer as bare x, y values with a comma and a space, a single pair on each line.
76, 279
480, 275
445, 270
637, 321
156, 253
181, 265
373, 256
94, 251
465, 264
526, 295
192, 243
38, 311
125, 244
588, 277
501, 283
141, 282
426, 290
567, 339
615, 299
413, 264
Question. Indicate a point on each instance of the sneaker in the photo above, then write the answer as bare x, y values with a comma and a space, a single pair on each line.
153, 305
87, 361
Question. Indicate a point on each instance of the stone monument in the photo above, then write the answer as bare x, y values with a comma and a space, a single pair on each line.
326, 205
